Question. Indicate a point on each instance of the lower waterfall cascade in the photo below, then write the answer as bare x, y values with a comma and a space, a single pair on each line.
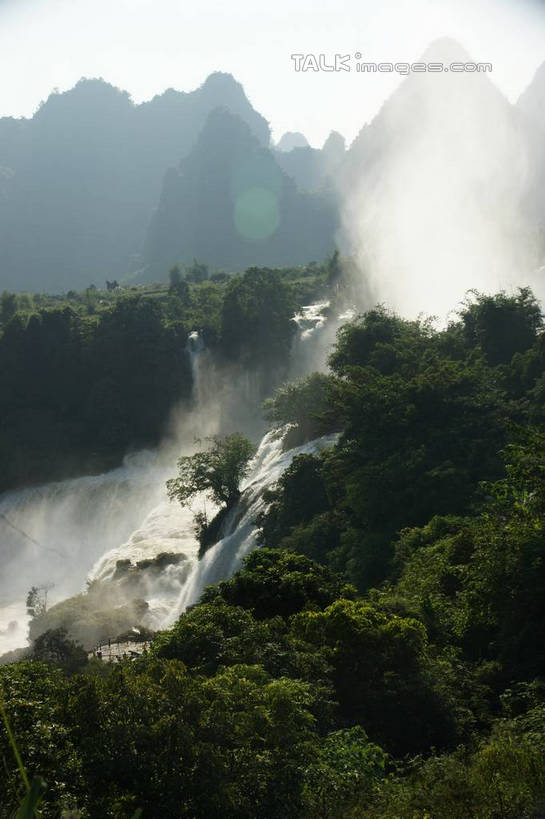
60, 535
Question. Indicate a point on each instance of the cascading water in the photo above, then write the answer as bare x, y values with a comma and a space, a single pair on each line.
167, 531
312, 344
240, 529
203, 370
124, 515
52, 534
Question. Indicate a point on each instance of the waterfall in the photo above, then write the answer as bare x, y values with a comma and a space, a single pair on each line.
51, 534
313, 343
80, 529
54, 534
203, 370
168, 530
240, 529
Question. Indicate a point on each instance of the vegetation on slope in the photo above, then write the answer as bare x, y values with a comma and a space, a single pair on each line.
86, 376
382, 654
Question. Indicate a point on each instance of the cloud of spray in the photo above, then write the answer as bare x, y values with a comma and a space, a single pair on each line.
83, 527
54, 534
67, 525
433, 192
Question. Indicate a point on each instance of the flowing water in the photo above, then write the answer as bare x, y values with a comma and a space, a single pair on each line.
59, 535
50, 535
240, 530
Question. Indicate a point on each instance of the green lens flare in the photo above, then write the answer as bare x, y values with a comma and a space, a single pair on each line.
256, 213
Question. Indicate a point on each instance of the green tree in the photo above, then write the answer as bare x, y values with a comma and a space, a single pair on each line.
196, 272
502, 325
382, 674
56, 648
347, 773
8, 306
257, 313
304, 403
478, 581
212, 635
216, 471
274, 582
299, 496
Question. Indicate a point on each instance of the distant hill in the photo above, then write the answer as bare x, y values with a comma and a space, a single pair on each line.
445, 186
230, 205
291, 140
312, 168
80, 179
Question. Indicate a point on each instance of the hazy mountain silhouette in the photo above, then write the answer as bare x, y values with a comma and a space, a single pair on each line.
79, 181
291, 140
435, 188
448, 176
312, 168
230, 205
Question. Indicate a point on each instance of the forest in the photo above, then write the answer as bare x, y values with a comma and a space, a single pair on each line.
90, 375
380, 654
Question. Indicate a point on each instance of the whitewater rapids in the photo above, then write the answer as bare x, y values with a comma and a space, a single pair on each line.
169, 529
51, 536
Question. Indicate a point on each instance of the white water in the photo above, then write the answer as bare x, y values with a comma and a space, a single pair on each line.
13, 632
68, 523
71, 523
240, 531
315, 339
80, 528
168, 528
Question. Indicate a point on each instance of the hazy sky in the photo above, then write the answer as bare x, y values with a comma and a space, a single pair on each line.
145, 46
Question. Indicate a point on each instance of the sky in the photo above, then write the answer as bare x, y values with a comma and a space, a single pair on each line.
146, 46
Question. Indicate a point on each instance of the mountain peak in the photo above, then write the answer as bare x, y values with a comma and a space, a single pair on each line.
88, 95
224, 132
334, 143
291, 140
223, 85
222, 90
445, 50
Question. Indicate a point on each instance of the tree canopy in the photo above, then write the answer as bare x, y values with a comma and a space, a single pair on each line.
380, 655
216, 471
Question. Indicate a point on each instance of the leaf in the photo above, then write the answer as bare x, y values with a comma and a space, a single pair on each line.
30, 804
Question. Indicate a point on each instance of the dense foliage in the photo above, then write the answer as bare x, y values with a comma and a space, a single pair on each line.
82, 388
423, 414
88, 375
382, 654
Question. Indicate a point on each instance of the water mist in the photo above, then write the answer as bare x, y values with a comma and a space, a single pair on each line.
433, 192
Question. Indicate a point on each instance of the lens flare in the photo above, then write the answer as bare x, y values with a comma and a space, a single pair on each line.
256, 213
